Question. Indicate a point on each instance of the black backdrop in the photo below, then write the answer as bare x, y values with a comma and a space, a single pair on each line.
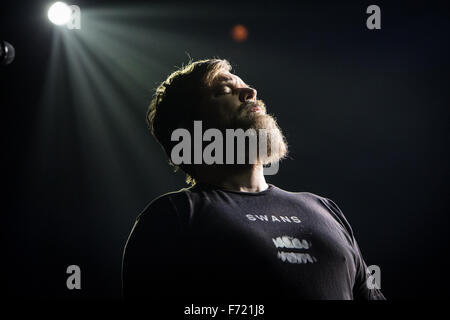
365, 114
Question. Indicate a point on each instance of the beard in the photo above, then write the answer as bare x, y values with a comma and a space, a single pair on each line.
267, 129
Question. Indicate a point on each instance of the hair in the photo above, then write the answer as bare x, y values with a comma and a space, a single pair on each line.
174, 104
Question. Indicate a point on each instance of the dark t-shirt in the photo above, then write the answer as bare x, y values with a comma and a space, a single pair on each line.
205, 242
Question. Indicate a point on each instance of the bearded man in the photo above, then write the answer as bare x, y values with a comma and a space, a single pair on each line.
230, 234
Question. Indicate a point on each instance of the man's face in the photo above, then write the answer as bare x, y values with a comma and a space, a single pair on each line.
230, 103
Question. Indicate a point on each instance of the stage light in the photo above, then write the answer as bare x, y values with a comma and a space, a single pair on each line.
59, 13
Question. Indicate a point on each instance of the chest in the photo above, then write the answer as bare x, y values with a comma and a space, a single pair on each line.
282, 234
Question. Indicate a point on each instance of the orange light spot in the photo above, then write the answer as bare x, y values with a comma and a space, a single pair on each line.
239, 33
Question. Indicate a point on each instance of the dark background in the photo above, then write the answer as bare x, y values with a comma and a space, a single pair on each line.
365, 114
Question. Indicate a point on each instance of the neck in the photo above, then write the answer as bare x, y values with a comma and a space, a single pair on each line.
249, 178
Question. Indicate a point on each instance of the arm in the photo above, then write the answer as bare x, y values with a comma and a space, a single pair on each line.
153, 253
360, 288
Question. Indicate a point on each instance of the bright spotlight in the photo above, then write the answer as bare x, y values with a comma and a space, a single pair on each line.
59, 13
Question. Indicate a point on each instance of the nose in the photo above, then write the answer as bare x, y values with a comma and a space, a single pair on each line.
247, 94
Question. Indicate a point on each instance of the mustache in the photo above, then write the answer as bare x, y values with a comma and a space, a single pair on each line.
251, 104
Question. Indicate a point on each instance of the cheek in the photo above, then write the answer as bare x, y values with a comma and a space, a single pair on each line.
226, 111
220, 111
228, 105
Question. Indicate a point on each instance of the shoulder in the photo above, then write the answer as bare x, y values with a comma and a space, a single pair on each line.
334, 211
319, 202
310, 197
307, 197
159, 218
171, 207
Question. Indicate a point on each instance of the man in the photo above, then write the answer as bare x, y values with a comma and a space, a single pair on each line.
230, 234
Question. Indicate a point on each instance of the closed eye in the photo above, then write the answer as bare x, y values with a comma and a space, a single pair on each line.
223, 90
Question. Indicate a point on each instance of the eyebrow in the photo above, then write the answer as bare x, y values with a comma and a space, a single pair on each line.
219, 80
225, 79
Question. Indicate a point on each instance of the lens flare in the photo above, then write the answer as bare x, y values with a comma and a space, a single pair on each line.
239, 33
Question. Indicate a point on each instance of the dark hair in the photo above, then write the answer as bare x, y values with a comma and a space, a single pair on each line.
173, 103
